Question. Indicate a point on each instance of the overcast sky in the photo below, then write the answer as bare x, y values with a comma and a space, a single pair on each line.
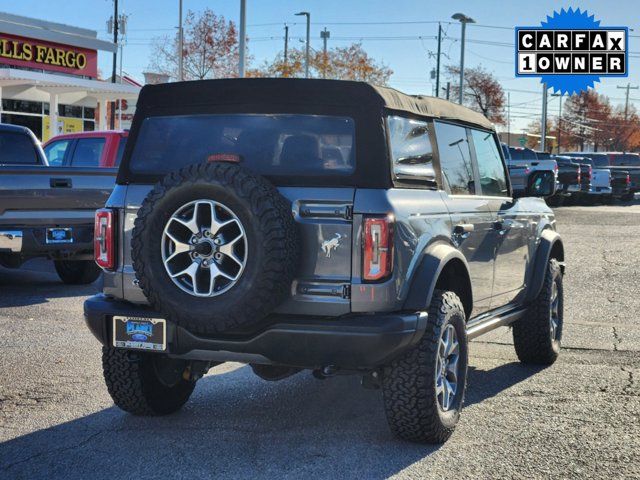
400, 33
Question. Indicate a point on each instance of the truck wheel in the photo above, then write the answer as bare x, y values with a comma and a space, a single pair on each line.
537, 335
423, 390
79, 272
145, 383
219, 239
555, 201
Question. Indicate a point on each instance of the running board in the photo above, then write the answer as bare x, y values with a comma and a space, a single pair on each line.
480, 327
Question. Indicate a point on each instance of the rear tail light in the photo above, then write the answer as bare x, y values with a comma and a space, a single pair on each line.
579, 175
628, 179
104, 239
378, 248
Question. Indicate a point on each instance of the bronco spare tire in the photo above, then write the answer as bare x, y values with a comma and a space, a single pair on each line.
215, 247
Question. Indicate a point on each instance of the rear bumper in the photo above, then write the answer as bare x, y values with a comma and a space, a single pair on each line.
350, 342
32, 241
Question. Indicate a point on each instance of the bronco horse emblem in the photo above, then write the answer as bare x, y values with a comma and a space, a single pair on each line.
332, 244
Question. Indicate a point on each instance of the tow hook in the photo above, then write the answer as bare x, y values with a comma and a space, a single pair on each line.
196, 370
325, 372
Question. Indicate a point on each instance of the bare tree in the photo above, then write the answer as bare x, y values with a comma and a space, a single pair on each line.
210, 48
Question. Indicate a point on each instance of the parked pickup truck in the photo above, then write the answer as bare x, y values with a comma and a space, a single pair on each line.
621, 178
629, 162
48, 211
86, 149
518, 173
334, 226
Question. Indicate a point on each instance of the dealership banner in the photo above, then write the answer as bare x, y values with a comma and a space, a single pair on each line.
570, 51
26, 52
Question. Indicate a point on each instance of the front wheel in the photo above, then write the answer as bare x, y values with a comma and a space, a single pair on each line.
423, 389
538, 334
144, 383
78, 272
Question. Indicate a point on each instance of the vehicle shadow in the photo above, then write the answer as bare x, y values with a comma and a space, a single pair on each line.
238, 426
37, 282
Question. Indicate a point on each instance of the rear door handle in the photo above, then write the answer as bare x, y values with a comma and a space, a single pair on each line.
60, 183
463, 228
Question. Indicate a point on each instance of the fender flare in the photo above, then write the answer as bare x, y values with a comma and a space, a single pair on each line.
550, 241
423, 282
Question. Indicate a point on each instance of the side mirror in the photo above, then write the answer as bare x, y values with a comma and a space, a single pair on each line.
541, 183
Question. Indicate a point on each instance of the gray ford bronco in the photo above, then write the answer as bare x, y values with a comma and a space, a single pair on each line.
333, 226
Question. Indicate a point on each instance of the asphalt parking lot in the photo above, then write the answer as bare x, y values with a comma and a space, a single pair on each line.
578, 418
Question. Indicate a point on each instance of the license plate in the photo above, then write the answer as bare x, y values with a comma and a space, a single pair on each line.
140, 333
59, 235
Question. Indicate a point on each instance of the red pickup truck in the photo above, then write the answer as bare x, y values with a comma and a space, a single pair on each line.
86, 149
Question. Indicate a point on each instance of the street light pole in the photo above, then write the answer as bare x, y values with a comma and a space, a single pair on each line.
543, 126
306, 60
180, 44
438, 60
243, 37
325, 34
559, 118
463, 19
112, 120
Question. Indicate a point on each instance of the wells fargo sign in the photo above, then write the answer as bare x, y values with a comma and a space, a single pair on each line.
26, 52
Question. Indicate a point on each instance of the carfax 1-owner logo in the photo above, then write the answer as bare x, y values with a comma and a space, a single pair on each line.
570, 51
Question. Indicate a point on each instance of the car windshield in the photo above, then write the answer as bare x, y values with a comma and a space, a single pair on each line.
279, 144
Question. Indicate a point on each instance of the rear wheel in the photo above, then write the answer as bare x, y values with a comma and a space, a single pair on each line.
538, 335
146, 383
78, 272
423, 390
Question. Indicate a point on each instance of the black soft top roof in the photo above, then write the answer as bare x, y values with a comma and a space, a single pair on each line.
363, 102
294, 91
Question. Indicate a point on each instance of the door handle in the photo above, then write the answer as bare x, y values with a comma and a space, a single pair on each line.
463, 228
60, 183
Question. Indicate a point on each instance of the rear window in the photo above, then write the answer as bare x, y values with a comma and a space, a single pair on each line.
88, 152
522, 154
621, 159
121, 145
17, 149
268, 144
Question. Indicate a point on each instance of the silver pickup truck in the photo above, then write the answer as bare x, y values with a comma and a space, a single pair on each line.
48, 211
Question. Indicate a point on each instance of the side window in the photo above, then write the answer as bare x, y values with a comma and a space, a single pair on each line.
455, 158
56, 151
17, 149
493, 179
411, 151
88, 152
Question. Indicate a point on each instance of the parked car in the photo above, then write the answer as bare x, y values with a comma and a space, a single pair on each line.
569, 179
266, 221
518, 173
86, 149
629, 162
48, 211
620, 178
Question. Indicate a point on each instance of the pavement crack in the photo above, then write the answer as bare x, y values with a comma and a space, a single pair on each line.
630, 382
616, 339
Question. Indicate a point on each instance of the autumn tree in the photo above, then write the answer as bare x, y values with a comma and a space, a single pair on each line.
482, 92
586, 119
210, 48
342, 63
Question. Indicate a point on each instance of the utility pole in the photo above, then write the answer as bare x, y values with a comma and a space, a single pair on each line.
463, 19
286, 44
448, 89
180, 44
543, 126
438, 60
559, 118
112, 121
243, 37
306, 58
626, 102
325, 34
509, 118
